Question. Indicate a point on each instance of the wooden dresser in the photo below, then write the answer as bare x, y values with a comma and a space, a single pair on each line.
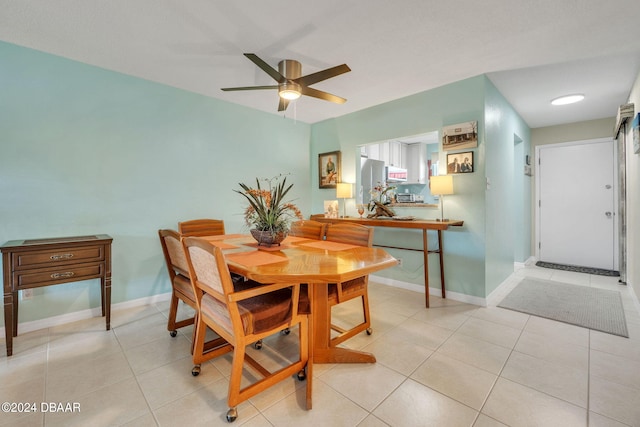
44, 262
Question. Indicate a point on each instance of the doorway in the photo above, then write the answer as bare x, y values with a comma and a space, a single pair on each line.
576, 204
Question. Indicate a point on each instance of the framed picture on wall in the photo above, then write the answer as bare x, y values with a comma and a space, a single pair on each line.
460, 136
460, 162
331, 208
329, 167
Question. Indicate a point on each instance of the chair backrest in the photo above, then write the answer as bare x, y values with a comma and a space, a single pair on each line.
173, 253
308, 228
354, 234
209, 270
201, 227
210, 275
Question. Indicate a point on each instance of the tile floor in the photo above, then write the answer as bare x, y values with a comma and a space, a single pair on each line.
454, 364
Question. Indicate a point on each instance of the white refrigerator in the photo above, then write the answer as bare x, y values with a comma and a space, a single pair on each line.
372, 173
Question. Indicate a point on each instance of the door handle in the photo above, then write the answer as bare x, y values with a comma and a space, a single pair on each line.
608, 214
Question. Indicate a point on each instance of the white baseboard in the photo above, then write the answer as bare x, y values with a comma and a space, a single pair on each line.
456, 296
519, 265
50, 322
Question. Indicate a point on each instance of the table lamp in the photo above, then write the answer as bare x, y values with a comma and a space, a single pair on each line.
344, 192
441, 185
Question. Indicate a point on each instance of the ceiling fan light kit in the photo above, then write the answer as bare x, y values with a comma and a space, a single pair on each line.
290, 91
291, 84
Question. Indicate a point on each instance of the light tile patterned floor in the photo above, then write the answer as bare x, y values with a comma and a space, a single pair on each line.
454, 364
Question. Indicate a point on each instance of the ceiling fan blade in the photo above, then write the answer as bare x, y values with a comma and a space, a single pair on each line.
312, 78
283, 104
266, 67
249, 88
322, 95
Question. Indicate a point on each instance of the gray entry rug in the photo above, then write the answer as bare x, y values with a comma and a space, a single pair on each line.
592, 308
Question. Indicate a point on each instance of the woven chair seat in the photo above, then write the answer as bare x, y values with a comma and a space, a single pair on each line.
353, 286
258, 314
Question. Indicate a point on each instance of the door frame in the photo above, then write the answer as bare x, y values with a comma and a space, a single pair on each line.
612, 140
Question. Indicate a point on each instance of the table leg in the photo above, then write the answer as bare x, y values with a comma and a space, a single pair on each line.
441, 255
310, 354
425, 252
107, 301
8, 321
321, 323
15, 313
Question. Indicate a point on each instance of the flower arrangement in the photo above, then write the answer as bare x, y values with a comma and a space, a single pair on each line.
267, 210
379, 195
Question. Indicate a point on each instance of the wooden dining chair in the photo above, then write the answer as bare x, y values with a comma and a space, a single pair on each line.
241, 318
360, 235
181, 289
201, 227
308, 229
205, 227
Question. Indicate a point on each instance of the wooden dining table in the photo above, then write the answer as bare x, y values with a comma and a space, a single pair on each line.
315, 262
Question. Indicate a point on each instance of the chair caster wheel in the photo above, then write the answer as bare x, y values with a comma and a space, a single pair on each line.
302, 375
195, 371
257, 345
369, 331
173, 334
232, 415
285, 331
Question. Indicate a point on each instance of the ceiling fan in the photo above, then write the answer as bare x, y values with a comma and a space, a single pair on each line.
291, 85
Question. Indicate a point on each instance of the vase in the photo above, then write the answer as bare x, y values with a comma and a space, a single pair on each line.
267, 237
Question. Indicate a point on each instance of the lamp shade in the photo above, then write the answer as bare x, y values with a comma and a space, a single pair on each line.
441, 185
344, 190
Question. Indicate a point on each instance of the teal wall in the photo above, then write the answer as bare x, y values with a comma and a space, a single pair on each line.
424, 112
480, 255
85, 150
508, 196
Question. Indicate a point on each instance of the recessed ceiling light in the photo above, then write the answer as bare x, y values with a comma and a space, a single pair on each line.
567, 99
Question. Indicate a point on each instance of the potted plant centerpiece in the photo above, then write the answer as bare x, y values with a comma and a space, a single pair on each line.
268, 212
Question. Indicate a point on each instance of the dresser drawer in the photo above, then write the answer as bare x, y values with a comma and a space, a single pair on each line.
53, 257
57, 275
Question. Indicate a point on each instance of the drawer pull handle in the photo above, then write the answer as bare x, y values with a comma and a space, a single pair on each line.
62, 275
61, 256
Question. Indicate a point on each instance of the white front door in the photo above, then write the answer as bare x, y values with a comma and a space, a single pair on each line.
576, 210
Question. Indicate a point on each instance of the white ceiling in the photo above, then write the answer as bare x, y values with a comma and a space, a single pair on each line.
532, 50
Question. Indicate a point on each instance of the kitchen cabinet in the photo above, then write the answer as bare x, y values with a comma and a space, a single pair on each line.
394, 156
416, 163
391, 153
371, 151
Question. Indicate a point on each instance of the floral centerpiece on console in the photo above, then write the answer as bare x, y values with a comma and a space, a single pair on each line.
268, 212
380, 198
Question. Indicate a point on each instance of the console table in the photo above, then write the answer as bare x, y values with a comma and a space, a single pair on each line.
420, 224
53, 261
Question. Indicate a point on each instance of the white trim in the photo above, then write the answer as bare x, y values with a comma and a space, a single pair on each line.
62, 319
498, 294
456, 296
520, 265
